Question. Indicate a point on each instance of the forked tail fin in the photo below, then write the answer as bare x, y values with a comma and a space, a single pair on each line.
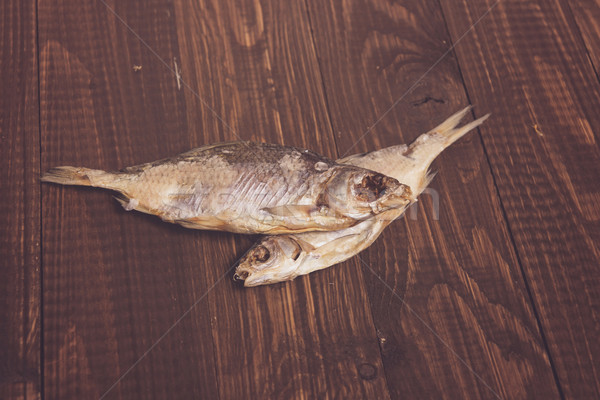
445, 134
67, 176
79, 176
450, 132
429, 145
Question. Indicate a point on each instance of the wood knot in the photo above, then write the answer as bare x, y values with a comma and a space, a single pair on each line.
367, 371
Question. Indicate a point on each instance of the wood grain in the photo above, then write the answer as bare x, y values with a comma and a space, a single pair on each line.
301, 339
497, 296
254, 63
20, 375
531, 69
587, 18
115, 282
451, 309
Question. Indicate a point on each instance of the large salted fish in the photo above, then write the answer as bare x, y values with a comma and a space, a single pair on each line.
247, 187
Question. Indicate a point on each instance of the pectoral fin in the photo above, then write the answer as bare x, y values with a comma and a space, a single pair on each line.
305, 218
129, 203
339, 245
292, 210
209, 223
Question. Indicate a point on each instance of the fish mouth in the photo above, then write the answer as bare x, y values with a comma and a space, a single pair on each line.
246, 270
240, 276
251, 276
242, 269
249, 279
247, 276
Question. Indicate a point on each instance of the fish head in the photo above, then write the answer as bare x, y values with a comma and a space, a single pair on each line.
360, 193
273, 259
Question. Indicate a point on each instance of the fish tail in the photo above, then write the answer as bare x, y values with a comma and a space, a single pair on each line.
448, 131
79, 176
452, 121
67, 176
429, 145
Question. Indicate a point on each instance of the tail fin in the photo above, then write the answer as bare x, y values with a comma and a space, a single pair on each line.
448, 130
67, 176
429, 145
452, 121
79, 176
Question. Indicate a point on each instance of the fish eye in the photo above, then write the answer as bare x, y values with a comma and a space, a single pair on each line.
261, 254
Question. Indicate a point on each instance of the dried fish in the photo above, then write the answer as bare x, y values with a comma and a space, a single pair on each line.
247, 187
280, 258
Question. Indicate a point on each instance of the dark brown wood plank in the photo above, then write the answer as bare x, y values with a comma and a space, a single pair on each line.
451, 308
587, 17
530, 68
20, 374
254, 63
115, 282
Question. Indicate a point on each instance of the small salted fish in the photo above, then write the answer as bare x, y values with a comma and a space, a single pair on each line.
247, 187
281, 258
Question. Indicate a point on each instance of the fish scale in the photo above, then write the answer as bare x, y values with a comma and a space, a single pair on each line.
227, 187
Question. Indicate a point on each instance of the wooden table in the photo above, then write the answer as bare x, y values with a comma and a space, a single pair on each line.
495, 293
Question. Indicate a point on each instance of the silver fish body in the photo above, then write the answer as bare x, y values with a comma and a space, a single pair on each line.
247, 187
280, 258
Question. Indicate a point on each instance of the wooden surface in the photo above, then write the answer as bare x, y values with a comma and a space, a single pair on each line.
20, 274
489, 290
